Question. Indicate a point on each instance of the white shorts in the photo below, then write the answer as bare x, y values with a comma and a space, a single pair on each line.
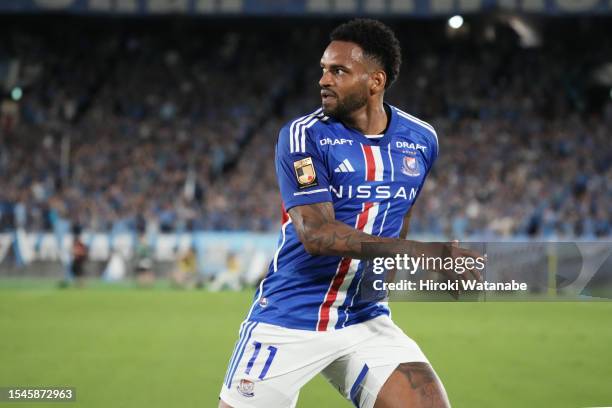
270, 364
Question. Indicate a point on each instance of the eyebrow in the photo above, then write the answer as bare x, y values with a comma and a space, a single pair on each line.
332, 66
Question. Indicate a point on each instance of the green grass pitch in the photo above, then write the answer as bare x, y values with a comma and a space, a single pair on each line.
134, 348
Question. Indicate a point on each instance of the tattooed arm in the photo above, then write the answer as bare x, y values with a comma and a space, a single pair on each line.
322, 234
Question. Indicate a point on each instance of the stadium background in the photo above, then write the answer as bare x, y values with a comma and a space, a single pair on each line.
151, 124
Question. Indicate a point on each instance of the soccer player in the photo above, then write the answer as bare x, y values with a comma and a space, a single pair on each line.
348, 173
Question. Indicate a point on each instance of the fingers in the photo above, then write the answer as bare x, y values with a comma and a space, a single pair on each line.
452, 276
471, 273
469, 253
466, 266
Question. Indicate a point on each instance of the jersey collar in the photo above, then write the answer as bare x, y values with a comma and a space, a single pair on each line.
383, 141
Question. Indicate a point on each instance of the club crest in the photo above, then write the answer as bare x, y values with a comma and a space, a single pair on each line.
410, 166
246, 388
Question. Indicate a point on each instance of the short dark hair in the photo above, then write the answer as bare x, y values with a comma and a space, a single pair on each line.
376, 40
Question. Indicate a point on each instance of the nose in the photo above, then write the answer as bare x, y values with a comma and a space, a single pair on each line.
326, 79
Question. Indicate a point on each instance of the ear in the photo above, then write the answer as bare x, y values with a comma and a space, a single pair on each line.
378, 79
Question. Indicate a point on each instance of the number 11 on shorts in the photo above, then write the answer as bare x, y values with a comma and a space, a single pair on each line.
272, 352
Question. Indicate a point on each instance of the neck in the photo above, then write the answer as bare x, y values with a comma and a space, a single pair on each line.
370, 120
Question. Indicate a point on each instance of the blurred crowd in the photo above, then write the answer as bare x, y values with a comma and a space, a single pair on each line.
139, 128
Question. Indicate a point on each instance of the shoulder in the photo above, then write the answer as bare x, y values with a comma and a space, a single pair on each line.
417, 125
295, 133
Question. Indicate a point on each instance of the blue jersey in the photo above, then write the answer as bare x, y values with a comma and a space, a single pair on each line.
372, 183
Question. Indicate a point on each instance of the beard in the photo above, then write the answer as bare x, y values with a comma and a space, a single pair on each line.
345, 106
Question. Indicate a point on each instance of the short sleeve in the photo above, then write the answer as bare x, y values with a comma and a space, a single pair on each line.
431, 155
303, 176
433, 146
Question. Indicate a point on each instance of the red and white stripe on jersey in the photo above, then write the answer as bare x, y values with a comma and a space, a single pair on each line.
374, 166
337, 291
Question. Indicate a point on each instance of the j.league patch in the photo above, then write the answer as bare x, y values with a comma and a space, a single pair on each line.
305, 173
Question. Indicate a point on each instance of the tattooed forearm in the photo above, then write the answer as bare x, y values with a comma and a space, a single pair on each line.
334, 240
322, 234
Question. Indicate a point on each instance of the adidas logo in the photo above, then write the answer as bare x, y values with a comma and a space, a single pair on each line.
344, 167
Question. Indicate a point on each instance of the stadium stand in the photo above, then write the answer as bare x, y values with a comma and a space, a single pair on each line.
146, 126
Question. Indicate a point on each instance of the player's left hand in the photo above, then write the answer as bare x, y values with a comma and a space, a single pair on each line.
455, 251
470, 273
